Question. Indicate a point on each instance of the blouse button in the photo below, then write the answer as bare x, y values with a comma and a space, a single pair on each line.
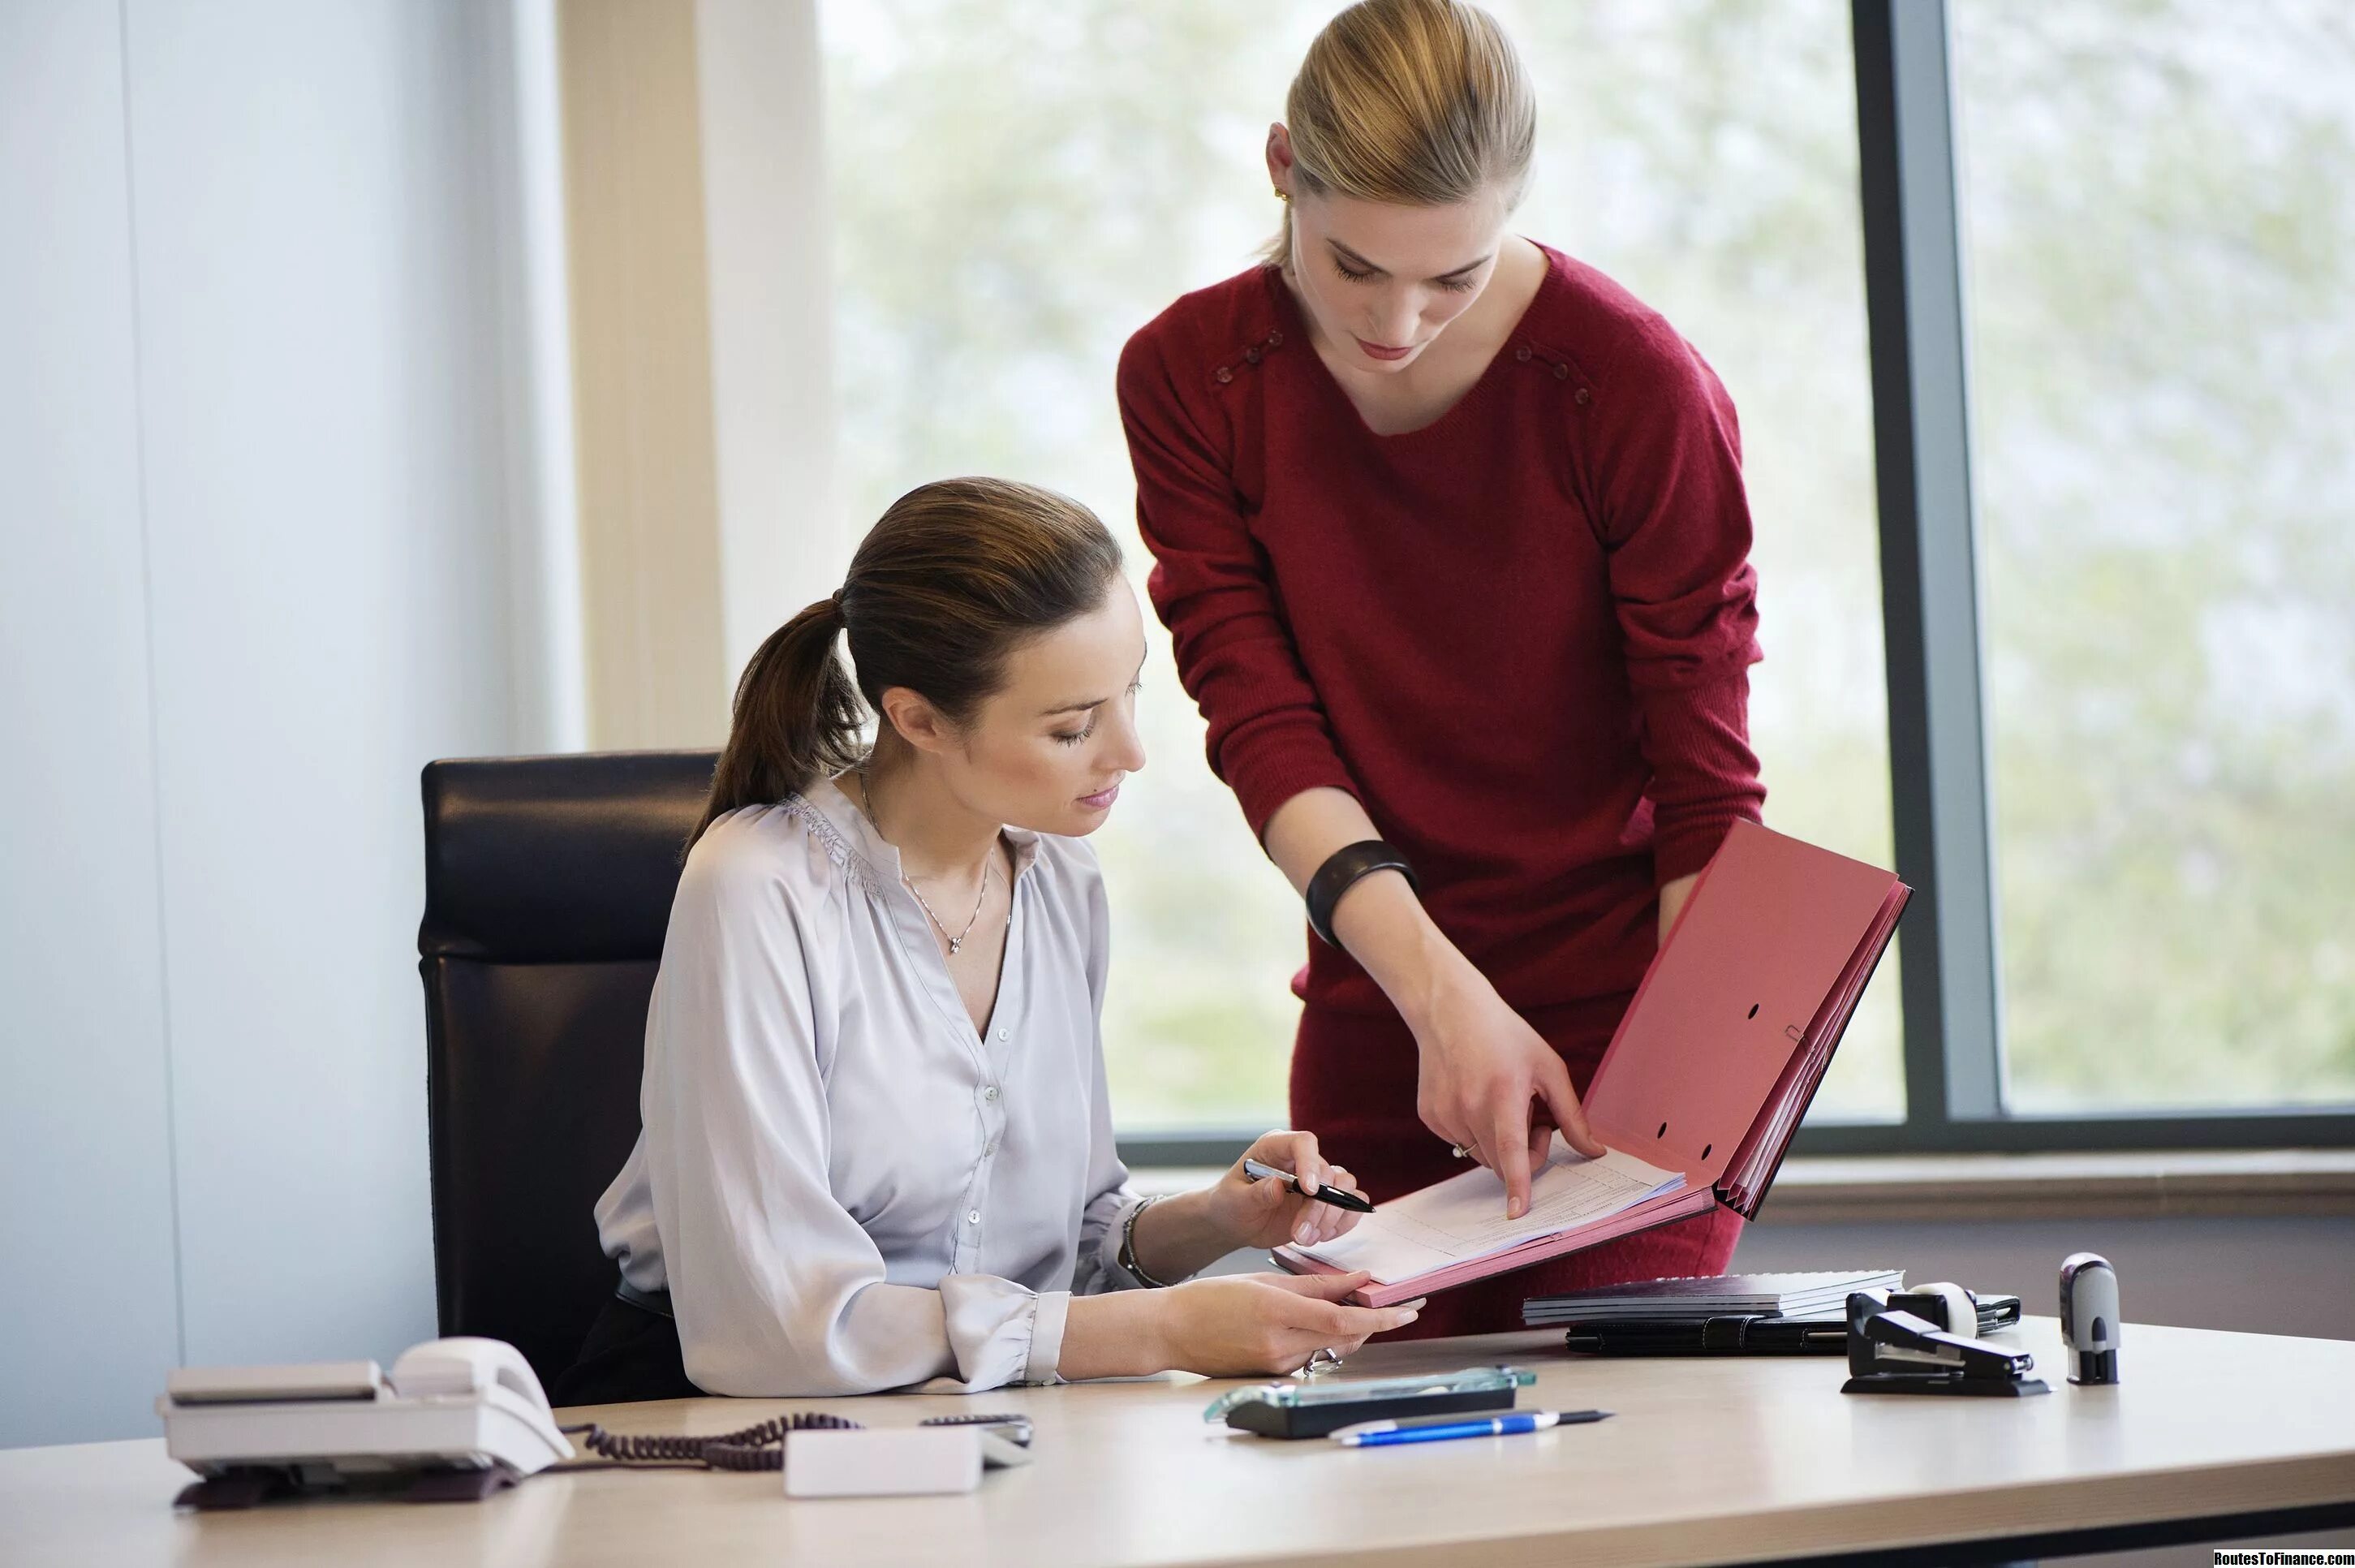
1580, 396
1561, 372
1252, 353
990, 1092
1522, 354
1003, 1035
1276, 340
973, 1216
1225, 375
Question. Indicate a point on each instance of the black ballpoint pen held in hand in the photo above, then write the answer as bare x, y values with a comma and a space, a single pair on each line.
1254, 1171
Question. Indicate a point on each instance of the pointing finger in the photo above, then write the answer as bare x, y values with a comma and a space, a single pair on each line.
1508, 1155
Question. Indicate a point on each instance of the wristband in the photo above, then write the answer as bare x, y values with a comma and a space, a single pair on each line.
1340, 873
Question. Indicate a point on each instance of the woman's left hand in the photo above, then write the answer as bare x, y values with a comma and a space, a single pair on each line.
1270, 1213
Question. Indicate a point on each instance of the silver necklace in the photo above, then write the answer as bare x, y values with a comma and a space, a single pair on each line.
988, 870
957, 941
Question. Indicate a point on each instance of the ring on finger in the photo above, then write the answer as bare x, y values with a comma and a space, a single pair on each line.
1324, 1359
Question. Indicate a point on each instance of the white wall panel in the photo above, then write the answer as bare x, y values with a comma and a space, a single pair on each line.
322, 439
88, 1323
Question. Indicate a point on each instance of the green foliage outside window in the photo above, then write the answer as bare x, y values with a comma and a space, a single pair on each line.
2161, 250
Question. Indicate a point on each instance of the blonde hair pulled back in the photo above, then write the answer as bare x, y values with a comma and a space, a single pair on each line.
1419, 102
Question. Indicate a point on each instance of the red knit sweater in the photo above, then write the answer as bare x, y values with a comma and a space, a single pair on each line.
1520, 636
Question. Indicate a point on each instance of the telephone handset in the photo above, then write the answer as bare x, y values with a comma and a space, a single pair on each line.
454, 1418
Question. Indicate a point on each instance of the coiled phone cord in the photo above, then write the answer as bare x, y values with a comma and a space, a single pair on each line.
758, 1448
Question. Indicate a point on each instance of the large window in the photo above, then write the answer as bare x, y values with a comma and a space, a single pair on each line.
2161, 261
1016, 187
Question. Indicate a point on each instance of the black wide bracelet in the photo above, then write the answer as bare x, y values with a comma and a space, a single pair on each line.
1340, 873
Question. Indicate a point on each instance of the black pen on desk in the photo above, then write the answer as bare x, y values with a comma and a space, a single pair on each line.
1254, 1171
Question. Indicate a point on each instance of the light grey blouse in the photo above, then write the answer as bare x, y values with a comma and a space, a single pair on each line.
843, 1186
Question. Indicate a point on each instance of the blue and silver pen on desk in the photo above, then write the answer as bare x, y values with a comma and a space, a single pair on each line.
1440, 1429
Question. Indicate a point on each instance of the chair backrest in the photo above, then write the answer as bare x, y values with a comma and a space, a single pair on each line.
548, 888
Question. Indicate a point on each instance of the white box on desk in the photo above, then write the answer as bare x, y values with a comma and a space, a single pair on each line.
906, 1462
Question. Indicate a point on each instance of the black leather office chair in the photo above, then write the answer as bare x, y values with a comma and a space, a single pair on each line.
547, 887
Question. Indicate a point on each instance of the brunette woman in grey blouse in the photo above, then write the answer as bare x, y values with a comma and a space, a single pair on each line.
876, 1148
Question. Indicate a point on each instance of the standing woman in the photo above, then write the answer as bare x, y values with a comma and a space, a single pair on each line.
1450, 532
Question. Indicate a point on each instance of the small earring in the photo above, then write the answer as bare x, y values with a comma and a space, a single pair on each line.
1282, 194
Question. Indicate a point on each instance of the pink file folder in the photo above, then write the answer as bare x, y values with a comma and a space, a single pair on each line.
1722, 1048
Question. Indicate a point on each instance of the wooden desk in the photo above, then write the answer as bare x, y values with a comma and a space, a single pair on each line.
2212, 1437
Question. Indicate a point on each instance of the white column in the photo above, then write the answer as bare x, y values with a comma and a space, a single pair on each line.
522, 90
782, 543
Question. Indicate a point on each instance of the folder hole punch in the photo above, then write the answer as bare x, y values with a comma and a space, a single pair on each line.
1897, 1343
1705, 1148
1753, 1010
1663, 1132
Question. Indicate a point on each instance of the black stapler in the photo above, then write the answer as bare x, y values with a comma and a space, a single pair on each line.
1891, 1351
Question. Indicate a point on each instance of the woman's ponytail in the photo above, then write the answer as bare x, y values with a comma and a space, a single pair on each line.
796, 717
957, 575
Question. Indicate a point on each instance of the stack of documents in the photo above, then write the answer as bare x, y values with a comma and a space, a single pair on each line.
1714, 1295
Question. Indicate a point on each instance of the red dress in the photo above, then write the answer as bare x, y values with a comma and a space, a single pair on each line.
1520, 636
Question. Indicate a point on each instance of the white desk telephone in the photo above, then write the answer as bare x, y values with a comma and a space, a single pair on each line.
453, 1419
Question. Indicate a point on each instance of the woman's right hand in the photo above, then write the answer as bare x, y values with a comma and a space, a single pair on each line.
1243, 1325
1490, 1084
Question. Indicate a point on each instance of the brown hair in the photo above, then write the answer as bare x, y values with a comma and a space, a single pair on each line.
1420, 103
955, 577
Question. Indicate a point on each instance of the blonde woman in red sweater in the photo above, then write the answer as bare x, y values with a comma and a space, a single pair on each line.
1450, 532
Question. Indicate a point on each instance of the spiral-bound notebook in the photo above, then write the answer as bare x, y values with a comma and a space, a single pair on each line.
1697, 1099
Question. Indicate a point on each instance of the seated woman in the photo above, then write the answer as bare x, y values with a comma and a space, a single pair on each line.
876, 1150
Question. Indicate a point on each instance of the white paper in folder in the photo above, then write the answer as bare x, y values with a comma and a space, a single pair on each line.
1463, 1217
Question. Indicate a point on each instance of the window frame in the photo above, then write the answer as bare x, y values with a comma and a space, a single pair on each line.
1951, 980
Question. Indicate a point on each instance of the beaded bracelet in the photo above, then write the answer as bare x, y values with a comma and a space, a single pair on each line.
1128, 1244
